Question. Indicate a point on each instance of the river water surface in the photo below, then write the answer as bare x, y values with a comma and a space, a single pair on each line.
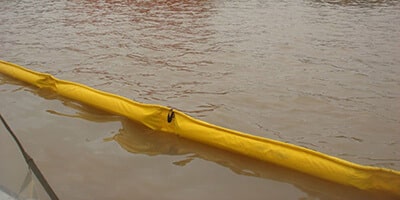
320, 74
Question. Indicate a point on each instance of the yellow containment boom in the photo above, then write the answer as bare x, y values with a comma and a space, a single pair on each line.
165, 119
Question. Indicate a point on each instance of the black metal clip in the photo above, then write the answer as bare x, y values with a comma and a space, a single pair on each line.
171, 115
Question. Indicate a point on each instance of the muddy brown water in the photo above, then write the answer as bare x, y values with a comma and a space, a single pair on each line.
320, 74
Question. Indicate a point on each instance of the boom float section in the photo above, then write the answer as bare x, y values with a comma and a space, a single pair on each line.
165, 119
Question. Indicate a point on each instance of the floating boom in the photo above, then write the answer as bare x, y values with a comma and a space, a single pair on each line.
165, 119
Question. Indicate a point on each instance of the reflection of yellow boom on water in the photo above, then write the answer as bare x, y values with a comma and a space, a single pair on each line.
161, 118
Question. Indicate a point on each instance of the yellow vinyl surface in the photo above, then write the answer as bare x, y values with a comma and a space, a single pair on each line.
156, 117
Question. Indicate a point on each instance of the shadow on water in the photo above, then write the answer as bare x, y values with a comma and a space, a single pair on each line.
138, 139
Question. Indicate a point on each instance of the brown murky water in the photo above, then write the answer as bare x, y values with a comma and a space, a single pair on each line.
320, 74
